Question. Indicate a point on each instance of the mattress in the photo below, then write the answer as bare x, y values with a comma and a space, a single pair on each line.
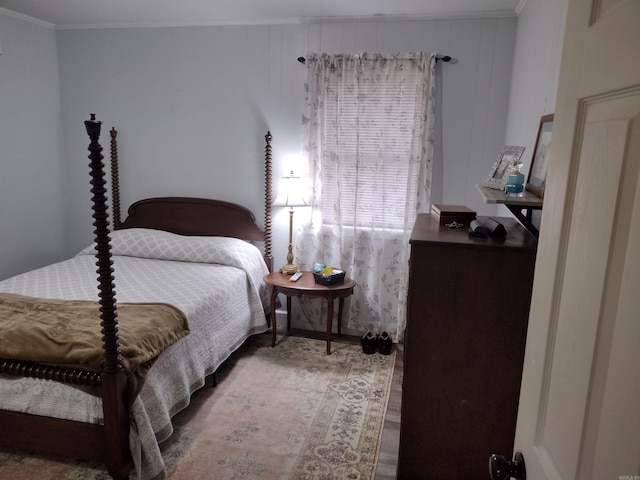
217, 282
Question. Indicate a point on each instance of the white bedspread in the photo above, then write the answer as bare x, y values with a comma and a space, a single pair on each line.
224, 305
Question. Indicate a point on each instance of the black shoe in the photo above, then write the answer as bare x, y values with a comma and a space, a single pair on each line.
384, 343
369, 342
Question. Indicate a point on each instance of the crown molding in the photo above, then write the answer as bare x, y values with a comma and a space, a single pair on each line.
520, 6
26, 18
284, 21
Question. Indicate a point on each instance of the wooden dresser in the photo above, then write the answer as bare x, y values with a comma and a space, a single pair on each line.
467, 312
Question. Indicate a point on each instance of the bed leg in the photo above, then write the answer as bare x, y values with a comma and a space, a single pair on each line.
116, 424
211, 380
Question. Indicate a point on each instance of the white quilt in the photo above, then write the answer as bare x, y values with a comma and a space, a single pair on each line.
217, 282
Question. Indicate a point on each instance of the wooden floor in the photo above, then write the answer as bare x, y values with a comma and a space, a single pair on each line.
388, 456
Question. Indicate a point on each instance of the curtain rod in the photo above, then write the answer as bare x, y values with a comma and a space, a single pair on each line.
443, 58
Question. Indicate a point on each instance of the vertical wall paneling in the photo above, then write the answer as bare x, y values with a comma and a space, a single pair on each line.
192, 104
331, 37
460, 111
481, 111
294, 74
498, 106
393, 37
32, 178
536, 66
348, 36
365, 37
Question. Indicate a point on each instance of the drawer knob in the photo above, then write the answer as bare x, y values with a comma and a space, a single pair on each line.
501, 469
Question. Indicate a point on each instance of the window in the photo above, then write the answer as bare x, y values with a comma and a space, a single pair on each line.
368, 154
368, 129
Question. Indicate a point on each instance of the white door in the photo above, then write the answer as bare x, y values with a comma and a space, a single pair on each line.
579, 414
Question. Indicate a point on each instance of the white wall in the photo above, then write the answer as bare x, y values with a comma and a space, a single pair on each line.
192, 104
536, 68
32, 175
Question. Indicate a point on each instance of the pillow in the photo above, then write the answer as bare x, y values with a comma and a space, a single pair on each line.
161, 245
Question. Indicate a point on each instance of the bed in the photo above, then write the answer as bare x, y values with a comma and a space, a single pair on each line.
192, 260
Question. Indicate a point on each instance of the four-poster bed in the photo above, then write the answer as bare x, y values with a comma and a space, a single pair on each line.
191, 256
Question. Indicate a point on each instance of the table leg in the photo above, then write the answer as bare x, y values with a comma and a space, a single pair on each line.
274, 295
340, 308
329, 323
288, 314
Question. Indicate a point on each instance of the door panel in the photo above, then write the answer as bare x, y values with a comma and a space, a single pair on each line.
592, 265
613, 417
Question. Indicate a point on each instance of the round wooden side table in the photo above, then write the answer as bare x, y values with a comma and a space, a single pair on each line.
307, 287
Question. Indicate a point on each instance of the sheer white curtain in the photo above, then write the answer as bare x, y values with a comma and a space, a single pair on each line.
368, 133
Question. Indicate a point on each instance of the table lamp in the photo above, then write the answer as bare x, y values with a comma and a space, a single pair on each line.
292, 194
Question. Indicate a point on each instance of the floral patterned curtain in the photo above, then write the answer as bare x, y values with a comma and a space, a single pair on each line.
368, 133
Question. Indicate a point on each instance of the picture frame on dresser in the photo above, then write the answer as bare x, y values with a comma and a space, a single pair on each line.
508, 158
540, 160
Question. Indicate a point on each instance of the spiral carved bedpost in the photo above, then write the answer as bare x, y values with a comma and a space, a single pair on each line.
114, 381
115, 179
268, 201
105, 278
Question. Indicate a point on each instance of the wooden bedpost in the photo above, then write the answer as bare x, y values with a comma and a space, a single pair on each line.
115, 179
107, 303
268, 256
114, 381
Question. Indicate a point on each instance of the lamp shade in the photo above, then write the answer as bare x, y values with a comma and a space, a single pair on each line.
292, 192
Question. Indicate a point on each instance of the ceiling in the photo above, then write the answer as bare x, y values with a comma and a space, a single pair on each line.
122, 13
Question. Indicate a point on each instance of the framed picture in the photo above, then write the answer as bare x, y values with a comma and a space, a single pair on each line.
509, 157
540, 160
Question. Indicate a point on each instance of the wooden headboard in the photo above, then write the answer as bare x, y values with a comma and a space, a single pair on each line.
194, 216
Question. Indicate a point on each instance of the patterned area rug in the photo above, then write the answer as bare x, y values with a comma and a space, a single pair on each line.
289, 412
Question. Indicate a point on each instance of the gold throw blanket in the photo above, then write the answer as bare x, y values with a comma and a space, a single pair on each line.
67, 332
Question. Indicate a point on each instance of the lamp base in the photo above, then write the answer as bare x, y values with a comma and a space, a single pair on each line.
289, 269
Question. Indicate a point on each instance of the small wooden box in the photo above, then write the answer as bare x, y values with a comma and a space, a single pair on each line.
446, 214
